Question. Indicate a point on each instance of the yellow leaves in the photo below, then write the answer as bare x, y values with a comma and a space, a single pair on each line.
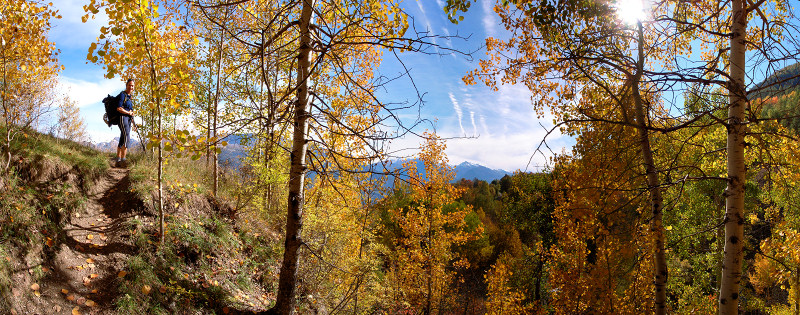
146, 289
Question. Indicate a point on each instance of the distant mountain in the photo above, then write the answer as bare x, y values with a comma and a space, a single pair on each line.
465, 170
469, 170
111, 146
233, 153
779, 83
780, 96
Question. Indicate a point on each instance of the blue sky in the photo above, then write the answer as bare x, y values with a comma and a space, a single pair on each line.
496, 129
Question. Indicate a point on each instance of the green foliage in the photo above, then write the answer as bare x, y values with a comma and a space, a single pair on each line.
782, 107
201, 265
182, 177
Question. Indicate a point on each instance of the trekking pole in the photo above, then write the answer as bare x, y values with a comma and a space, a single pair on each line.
133, 121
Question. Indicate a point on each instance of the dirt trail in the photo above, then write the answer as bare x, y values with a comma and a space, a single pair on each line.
86, 267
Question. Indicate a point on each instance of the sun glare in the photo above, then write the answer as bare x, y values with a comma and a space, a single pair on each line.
630, 11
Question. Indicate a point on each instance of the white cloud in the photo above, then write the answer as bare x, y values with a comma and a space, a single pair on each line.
483, 125
472, 118
489, 18
511, 132
457, 109
86, 93
428, 27
515, 151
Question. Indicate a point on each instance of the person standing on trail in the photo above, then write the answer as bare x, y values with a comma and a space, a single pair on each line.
125, 108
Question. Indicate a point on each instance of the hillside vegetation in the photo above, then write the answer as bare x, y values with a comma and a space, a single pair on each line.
780, 98
78, 234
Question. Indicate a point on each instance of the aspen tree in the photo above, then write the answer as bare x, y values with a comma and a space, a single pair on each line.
143, 39
29, 67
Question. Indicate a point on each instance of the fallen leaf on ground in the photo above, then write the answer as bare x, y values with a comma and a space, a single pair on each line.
35, 286
122, 274
37, 293
146, 289
70, 297
94, 275
162, 289
65, 291
90, 303
50, 242
89, 260
90, 236
94, 291
45, 269
76, 311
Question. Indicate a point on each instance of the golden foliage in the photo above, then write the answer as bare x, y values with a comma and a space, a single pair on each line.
421, 272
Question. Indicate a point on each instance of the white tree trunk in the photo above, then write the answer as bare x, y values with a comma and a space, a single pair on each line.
285, 301
734, 193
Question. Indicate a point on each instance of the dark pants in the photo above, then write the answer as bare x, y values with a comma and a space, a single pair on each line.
124, 131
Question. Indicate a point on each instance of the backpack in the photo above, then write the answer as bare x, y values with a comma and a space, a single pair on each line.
111, 117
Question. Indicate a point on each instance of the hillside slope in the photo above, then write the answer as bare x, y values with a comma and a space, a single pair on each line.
80, 236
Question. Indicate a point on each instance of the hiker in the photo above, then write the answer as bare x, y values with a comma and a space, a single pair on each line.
125, 108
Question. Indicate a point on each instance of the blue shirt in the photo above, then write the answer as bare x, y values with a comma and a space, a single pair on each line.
125, 101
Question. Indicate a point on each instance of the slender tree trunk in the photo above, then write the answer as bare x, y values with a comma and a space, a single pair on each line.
734, 193
208, 124
797, 291
653, 184
216, 101
154, 86
160, 174
6, 113
537, 293
285, 301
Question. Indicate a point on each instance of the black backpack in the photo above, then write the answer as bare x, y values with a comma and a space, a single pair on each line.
111, 117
